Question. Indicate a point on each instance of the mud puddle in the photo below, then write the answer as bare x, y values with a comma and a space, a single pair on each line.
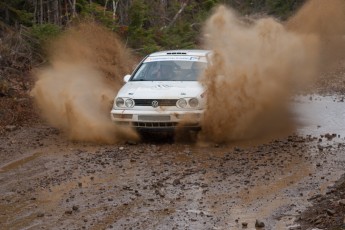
321, 116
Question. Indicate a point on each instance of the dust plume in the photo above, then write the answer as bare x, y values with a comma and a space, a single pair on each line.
326, 20
257, 65
75, 92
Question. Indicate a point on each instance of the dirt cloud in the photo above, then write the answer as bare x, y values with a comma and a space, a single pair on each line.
326, 20
257, 65
75, 92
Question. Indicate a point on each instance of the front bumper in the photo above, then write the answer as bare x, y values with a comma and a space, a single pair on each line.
157, 120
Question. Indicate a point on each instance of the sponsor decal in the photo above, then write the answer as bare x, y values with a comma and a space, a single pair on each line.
162, 86
173, 58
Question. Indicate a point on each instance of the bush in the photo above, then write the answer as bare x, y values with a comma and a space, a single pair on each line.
45, 32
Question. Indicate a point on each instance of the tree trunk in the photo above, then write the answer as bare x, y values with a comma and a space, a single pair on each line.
41, 14
105, 6
55, 12
48, 11
123, 12
73, 12
35, 12
162, 11
114, 9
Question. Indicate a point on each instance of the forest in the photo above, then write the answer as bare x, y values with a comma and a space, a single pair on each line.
143, 25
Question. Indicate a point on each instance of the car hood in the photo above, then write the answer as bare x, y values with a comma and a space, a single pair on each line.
161, 89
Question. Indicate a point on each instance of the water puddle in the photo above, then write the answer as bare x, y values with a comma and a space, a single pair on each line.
321, 115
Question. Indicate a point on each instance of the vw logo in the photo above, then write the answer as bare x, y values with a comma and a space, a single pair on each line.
154, 104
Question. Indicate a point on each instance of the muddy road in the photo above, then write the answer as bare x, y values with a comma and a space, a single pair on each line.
49, 182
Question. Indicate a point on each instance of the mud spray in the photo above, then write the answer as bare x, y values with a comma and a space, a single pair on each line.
75, 92
257, 65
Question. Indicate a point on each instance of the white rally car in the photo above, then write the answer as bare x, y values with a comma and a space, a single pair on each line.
163, 92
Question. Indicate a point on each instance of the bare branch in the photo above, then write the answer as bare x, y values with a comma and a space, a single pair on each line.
105, 6
183, 6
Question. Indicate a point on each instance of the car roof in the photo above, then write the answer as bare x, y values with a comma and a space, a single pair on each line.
180, 52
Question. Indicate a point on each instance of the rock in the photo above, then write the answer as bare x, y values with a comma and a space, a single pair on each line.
259, 224
121, 148
176, 182
330, 212
131, 143
160, 193
295, 227
40, 214
69, 212
244, 224
237, 149
318, 220
75, 208
329, 136
342, 202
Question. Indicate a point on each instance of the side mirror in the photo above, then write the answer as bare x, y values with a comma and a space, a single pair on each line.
126, 78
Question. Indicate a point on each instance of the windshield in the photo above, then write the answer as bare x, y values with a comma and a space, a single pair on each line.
169, 71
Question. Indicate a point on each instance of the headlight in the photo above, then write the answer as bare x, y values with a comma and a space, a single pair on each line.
193, 102
182, 103
129, 103
124, 102
119, 102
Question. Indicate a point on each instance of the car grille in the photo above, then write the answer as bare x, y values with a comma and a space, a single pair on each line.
163, 125
155, 124
161, 102
153, 117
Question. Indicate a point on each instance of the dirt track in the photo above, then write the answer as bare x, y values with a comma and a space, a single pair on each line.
52, 183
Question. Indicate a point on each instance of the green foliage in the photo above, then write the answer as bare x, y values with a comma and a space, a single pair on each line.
282, 8
145, 25
97, 12
209, 4
41, 35
15, 12
45, 32
138, 35
138, 13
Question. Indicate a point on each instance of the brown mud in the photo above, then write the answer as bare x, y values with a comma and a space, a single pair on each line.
48, 181
75, 92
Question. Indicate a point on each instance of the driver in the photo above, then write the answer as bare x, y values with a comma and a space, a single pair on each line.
165, 72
